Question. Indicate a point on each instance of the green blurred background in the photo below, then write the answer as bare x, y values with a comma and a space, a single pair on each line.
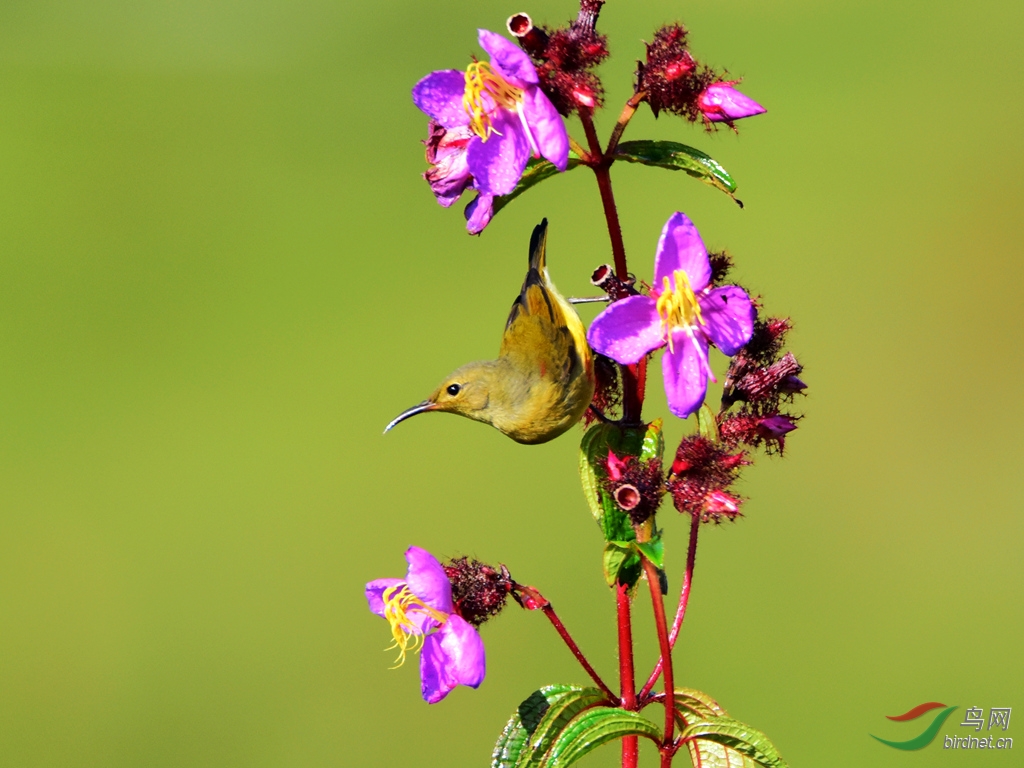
222, 275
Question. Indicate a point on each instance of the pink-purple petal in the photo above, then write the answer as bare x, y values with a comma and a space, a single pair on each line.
547, 127
427, 580
685, 371
375, 593
627, 330
497, 164
721, 102
439, 94
729, 317
511, 61
680, 247
478, 213
454, 655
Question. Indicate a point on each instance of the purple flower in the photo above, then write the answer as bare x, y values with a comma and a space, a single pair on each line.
721, 103
500, 107
419, 610
683, 312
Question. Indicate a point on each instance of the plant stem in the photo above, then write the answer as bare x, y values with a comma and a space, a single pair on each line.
604, 184
627, 680
684, 598
584, 155
626, 115
658, 604
564, 634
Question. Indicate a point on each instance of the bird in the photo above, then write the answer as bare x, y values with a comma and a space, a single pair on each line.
543, 378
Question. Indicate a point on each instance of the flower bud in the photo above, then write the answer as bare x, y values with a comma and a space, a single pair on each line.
776, 427
635, 485
719, 504
721, 103
479, 591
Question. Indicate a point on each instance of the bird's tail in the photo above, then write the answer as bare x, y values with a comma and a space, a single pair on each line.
538, 247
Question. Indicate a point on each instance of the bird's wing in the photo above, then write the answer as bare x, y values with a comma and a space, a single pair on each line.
543, 330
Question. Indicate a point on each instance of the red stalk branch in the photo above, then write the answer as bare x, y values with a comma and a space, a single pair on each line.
684, 598
627, 680
567, 638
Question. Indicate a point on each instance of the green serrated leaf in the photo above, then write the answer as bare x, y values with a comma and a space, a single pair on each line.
558, 715
510, 744
708, 754
653, 446
692, 705
594, 439
594, 727
707, 424
621, 563
514, 737
654, 550
536, 172
737, 737
678, 157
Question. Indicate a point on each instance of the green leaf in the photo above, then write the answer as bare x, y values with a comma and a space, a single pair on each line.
536, 172
558, 715
707, 424
708, 754
653, 446
678, 157
512, 743
734, 736
692, 705
621, 563
594, 727
654, 551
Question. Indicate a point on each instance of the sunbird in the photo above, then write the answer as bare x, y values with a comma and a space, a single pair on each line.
543, 378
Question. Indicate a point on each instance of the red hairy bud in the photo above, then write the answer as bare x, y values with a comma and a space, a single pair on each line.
479, 591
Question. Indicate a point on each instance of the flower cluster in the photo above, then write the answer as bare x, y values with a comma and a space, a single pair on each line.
424, 616
700, 474
675, 82
763, 380
486, 123
636, 485
684, 312
566, 59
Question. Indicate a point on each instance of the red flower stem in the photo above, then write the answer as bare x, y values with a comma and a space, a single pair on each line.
604, 184
627, 681
564, 634
684, 598
627, 114
658, 604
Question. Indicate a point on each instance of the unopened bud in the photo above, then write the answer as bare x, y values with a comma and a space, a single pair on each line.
776, 427
532, 39
615, 465
721, 103
721, 503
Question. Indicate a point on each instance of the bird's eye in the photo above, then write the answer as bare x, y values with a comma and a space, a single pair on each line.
454, 389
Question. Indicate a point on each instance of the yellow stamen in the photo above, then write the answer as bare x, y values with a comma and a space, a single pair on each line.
399, 605
678, 308
483, 81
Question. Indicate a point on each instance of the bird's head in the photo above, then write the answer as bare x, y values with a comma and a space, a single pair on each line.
466, 391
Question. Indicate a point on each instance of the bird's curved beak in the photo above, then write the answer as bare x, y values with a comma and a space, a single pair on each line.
423, 407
